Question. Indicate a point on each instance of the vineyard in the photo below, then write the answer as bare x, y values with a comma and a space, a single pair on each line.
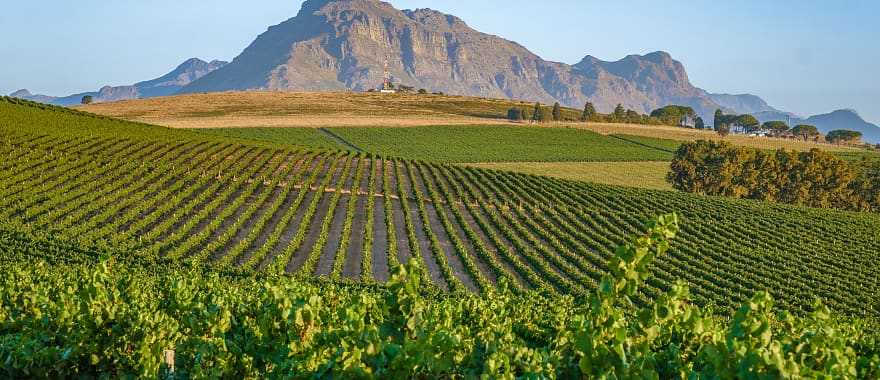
77, 188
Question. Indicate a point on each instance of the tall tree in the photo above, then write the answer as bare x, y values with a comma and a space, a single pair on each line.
775, 127
619, 113
843, 136
699, 123
806, 131
557, 112
514, 114
538, 115
589, 112
747, 122
718, 119
87, 99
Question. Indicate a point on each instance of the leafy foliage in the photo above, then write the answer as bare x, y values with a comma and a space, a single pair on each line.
814, 178
110, 320
843, 136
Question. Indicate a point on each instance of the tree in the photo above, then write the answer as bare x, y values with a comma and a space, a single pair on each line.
87, 99
843, 136
699, 124
747, 122
718, 119
525, 114
589, 112
633, 116
422, 91
776, 127
514, 114
557, 112
805, 131
619, 113
539, 115
674, 115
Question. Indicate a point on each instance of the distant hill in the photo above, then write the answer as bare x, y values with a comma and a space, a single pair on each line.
742, 103
167, 84
846, 119
344, 45
840, 119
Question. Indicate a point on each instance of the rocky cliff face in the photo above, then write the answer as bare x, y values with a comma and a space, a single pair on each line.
168, 84
344, 44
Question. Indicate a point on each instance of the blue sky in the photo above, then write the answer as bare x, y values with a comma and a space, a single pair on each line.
805, 56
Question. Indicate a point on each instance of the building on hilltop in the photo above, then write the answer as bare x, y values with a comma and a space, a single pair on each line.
387, 85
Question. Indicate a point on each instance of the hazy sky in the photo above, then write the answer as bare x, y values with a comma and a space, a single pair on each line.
804, 56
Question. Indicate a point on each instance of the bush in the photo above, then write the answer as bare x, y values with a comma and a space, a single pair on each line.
814, 178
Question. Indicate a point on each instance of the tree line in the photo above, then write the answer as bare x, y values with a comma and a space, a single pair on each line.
727, 123
815, 178
668, 115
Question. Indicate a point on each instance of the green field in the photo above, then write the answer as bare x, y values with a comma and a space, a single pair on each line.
170, 204
515, 143
178, 196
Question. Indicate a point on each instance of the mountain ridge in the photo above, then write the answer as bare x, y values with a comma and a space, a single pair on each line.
344, 44
168, 84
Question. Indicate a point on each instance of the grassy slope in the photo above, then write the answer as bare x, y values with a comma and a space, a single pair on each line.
497, 144
640, 174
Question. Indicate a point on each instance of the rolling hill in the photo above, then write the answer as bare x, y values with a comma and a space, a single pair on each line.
154, 195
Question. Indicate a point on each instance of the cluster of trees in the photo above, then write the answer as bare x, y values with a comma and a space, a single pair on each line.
725, 124
814, 178
842, 136
671, 115
539, 114
679, 115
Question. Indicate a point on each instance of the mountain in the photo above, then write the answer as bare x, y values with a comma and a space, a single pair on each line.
167, 84
846, 119
840, 119
345, 44
742, 103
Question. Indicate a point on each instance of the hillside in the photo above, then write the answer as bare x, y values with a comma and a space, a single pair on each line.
344, 45
119, 188
277, 109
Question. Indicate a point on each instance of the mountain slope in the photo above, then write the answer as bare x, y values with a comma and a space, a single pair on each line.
742, 103
167, 84
845, 119
344, 44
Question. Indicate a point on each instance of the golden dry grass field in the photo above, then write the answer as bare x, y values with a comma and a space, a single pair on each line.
307, 109
642, 174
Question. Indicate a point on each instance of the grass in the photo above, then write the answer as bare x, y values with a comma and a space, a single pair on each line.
644, 174
512, 143
311, 109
